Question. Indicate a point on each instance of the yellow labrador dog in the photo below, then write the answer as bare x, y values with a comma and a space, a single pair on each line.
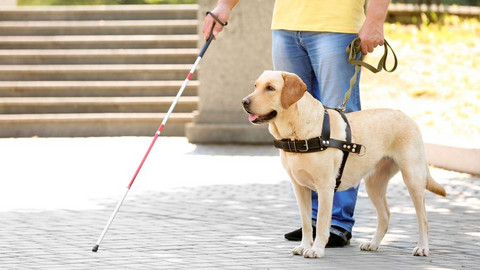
392, 141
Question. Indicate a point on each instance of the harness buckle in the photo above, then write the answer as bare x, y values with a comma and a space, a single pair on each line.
306, 147
294, 143
289, 148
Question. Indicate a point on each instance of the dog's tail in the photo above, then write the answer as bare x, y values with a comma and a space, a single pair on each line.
433, 186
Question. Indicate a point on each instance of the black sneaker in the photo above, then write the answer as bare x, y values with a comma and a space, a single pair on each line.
297, 235
339, 237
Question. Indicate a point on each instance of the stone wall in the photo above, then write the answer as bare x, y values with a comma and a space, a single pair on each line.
227, 73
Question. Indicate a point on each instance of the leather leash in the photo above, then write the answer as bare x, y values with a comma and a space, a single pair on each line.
353, 49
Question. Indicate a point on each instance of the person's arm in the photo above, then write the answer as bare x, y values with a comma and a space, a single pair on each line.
371, 33
222, 11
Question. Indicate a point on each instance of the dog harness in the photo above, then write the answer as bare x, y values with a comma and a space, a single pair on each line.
323, 142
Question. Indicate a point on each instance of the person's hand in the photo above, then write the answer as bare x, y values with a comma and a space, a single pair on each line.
223, 13
371, 36
371, 33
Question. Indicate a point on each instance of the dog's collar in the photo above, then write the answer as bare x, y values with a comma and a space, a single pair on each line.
323, 142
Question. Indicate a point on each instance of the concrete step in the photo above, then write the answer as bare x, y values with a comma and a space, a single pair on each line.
95, 88
98, 56
109, 12
94, 72
98, 42
49, 105
114, 27
96, 124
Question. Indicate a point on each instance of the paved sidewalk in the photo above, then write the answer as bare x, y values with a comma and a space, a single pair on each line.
199, 207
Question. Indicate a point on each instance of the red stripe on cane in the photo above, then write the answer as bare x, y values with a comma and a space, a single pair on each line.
161, 127
190, 75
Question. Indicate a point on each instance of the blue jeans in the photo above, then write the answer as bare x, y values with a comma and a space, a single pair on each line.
319, 58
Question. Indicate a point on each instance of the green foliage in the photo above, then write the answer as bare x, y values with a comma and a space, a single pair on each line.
100, 2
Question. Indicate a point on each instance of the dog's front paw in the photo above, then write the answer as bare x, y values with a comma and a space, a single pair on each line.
299, 250
314, 252
368, 246
421, 251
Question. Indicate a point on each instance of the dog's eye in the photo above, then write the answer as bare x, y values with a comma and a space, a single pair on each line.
270, 88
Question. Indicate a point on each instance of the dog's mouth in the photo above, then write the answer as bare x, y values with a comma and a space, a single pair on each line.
258, 119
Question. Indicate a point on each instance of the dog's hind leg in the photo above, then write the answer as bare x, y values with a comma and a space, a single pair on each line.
414, 177
304, 200
376, 186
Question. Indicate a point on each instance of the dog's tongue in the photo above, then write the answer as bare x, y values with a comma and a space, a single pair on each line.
253, 117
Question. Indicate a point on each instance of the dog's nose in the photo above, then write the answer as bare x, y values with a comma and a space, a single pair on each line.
246, 102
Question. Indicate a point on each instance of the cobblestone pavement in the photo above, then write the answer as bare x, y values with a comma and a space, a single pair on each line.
200, 207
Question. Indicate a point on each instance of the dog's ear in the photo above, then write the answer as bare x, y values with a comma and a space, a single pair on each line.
293, 89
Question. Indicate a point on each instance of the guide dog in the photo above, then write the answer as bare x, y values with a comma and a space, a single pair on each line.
392, 142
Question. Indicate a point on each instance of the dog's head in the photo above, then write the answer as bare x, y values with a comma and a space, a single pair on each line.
275, 91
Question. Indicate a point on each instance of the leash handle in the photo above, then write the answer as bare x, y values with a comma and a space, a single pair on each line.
353, 49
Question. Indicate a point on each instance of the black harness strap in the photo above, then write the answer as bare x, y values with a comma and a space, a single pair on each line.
345, 153
323, 142
337, 144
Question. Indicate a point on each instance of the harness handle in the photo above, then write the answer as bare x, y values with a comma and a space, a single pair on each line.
353, 49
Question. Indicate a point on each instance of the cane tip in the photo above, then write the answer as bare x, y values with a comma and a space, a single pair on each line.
95, 248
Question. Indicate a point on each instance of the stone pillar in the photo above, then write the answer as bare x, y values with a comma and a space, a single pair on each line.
227, 74
8, 3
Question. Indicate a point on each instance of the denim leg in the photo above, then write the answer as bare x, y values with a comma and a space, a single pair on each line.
332, 70
333, 73
288, 55
343, 207
321, 62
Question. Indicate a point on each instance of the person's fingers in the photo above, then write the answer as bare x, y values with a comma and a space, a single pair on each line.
368, 46
217, 29
381, 42
207, 26
364, 47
